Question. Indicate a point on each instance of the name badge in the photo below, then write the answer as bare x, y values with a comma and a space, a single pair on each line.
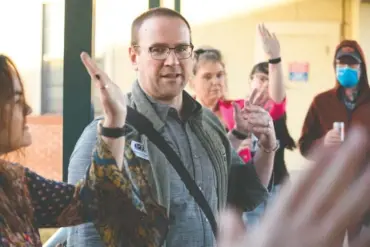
139, 150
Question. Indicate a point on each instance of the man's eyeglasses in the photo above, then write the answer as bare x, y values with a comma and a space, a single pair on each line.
161, 52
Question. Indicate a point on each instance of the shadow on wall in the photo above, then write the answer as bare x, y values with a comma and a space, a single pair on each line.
45, 154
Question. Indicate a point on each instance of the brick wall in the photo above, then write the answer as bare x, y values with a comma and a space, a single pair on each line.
44, 156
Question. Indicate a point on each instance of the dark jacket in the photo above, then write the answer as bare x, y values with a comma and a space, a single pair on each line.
328, 107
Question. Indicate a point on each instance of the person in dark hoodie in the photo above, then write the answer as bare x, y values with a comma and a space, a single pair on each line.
347, 102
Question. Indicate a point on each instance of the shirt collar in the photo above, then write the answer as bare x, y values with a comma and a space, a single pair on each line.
190, 108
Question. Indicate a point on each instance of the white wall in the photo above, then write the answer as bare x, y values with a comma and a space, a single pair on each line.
21, 40
364, 33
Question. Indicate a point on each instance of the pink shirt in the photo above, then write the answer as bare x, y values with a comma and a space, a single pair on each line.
276, 110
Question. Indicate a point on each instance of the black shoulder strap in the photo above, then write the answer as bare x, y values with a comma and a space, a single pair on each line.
145, 127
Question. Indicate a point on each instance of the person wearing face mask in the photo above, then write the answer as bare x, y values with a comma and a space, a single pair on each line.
347, 102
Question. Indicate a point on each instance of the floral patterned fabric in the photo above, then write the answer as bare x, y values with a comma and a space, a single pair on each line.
106, 197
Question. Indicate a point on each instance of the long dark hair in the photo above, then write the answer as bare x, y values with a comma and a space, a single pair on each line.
282, 133
281, 128
13, 196
262, 67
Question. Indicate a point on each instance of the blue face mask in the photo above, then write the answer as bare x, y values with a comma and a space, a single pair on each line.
347, 77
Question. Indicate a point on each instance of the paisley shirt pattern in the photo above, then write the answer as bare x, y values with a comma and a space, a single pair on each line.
107, 197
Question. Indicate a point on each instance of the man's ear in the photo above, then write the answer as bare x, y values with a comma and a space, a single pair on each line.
133, 57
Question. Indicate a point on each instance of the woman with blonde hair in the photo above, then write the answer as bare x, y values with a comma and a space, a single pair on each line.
268, 90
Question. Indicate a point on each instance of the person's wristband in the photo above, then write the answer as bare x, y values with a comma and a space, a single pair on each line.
113, 132
275, 60
239, 135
